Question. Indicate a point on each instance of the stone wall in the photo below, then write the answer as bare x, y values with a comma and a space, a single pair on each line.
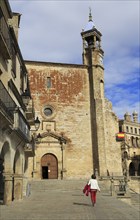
113, 149
69, 99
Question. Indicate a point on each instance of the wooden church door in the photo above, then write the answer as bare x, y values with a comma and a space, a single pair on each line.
49, 165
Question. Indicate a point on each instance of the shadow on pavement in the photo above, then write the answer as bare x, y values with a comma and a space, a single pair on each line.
77, 203
77, 195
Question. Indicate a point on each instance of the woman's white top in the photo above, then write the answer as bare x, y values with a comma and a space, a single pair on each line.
93, 184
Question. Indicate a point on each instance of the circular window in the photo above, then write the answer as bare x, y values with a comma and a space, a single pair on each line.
48, 111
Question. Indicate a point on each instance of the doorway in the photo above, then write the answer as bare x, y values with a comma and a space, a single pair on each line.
45, 172
49, 166
131, 169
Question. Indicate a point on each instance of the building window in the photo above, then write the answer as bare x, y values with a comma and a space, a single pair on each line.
14, 62
48, 111
48, 82
120, 128
131, 130
135, 130
127, 129
139, 131
137, 142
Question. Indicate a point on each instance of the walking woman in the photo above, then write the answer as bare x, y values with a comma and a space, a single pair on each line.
94, 187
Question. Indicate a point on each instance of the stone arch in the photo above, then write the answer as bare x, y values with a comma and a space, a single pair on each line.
1, 179
138, 172
17, 166
131, 169
5, 169
49, 166
6, 157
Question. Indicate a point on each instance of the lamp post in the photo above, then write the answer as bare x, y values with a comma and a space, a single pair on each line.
37, 123
26, 97
62, 141
39, 137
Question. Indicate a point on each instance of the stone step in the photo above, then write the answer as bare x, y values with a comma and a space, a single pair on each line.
41, 185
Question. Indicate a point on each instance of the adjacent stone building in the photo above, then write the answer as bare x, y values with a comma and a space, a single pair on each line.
131, 145
16, 110
77, 134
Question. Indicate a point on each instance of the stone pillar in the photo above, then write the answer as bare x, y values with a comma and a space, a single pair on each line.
64, 163
8, 188
18, 186
112, 187
25, 181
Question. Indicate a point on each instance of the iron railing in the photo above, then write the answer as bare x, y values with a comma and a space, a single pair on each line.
6, 102
21, 124
9, 106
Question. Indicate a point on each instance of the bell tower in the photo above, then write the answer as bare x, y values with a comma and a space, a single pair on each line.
93, 58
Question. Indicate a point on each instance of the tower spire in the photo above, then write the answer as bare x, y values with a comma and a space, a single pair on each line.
90, 15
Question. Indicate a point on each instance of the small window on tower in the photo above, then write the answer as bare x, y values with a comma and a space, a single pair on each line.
120, 128
127, 129
48, 82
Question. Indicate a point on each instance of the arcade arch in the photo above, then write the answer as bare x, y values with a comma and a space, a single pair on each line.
6, 157
131, 169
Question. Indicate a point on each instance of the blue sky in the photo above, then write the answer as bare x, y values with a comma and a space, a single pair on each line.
50, 31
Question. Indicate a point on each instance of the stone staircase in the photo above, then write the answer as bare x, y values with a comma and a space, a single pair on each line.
39, 186
70, 203
135, 199
64, 185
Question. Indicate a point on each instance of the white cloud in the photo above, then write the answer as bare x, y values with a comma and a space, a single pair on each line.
50, 31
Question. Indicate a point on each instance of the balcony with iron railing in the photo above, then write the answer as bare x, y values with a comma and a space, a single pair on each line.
30, 148
10, 110
21, 125
5, 39
28, 102
7, 105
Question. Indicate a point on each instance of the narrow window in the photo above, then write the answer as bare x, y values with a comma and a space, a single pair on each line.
135, 130
127, 129
14, 62
120, 128
131, 130
48, 82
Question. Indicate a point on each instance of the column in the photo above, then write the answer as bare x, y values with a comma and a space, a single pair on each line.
18, 186
8, 188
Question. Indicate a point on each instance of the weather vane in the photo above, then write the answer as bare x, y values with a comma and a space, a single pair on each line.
90, 15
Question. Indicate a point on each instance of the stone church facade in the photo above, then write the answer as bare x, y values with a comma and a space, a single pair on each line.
55, 121
77, 134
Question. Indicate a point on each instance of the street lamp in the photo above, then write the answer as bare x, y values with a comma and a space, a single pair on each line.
26, 97
37, 123
39, 137
62, 141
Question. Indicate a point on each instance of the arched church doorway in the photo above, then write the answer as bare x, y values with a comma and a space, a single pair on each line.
49, 166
